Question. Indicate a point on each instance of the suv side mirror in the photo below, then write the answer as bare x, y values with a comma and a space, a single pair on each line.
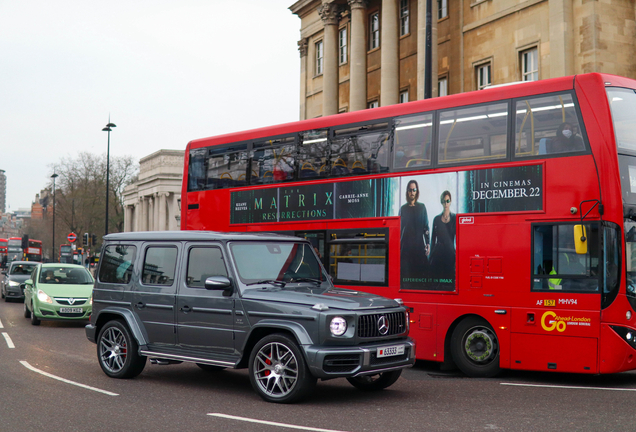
217, 283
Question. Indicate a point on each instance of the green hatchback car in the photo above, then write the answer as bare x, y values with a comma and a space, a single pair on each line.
58, 292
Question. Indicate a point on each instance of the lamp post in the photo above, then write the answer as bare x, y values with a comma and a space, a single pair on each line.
54, 176
108, 128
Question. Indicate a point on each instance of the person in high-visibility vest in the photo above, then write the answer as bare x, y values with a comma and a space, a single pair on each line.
555, 283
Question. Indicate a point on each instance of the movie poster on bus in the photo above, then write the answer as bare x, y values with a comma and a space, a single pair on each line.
427, 231
501, 189
366, 198
254, 206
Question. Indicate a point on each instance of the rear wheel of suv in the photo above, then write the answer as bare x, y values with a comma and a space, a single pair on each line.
117, 351
375, 382
278, 371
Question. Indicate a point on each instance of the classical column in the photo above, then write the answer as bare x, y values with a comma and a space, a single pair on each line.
302, 48
144, 222
561, 38
127, 218
162, 226
329, 14
390, 60
151, 212
358, 59
421, 47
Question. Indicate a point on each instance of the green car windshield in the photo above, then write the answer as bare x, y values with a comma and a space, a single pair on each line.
66, 276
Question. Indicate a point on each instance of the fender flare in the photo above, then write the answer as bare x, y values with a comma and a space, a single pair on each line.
129, 318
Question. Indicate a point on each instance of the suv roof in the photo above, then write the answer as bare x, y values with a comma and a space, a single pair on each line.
196, 235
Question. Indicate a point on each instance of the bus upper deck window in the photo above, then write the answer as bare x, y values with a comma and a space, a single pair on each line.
412, 141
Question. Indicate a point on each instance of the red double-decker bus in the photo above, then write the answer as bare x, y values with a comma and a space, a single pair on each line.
3, 252
14, 249
34, 250
505, 218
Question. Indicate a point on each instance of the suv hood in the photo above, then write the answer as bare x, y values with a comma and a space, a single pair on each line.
337, 298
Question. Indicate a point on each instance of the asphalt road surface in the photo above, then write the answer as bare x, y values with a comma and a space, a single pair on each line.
50, 380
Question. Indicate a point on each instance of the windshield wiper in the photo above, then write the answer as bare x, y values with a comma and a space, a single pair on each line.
269, 281
306, 279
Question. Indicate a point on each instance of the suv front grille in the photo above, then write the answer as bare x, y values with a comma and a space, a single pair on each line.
368, 326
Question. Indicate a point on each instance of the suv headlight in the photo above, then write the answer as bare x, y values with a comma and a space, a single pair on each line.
338, 326
44, 297
14, 283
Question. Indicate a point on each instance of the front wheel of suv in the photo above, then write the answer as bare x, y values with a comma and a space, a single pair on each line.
278, 371
117, 351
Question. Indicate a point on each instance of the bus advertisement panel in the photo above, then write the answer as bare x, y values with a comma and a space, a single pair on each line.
503, 218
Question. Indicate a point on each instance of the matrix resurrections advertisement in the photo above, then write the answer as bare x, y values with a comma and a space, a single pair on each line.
427, 205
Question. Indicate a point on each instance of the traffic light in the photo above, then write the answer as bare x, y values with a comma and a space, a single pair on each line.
25, 242
85, 240
94, 238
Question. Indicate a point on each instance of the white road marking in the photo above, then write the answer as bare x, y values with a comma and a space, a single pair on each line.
28, 366
245, 419
8, 339
570, 387
1, 326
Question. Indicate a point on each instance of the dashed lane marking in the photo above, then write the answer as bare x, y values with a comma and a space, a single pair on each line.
569, 387
8, 339
283, 425
28, 366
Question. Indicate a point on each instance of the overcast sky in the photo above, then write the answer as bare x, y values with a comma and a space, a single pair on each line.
167, 72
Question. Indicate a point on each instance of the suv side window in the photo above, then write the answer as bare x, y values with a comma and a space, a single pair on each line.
117, 264
159, 266
204, 262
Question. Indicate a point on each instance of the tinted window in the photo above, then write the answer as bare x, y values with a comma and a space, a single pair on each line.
227, 167
313, 154
557, 266
547, 125
413, 137
196, 170
473, 134
204, 262
360, 150
117, 264
273, 161
159, 266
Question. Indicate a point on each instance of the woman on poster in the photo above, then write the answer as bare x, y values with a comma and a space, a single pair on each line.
443, 245
414, 239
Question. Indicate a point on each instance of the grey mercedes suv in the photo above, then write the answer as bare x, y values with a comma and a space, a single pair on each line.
234, 300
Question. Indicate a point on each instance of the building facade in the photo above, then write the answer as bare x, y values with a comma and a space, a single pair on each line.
152, 202
358, 54
3, 192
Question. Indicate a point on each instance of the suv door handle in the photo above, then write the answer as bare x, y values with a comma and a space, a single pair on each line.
186, 309
140, 305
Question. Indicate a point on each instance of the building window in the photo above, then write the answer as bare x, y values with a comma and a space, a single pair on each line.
442, 87
374, 30
342, 42
319, 57
404, 96
442, 9
483, 76
530, 65
404, 17
372, 104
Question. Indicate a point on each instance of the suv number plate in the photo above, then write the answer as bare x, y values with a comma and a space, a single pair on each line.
71, 310
390, 351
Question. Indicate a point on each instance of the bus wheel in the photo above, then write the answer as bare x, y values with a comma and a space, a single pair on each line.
475, 348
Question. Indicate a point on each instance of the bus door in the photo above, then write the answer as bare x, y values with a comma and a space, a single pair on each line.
559, 327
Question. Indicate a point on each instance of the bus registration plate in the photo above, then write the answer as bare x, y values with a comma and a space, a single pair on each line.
390, 351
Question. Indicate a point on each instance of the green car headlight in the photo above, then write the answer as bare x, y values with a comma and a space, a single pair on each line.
44, 297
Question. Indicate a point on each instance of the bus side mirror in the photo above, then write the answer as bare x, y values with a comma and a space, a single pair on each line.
580, 239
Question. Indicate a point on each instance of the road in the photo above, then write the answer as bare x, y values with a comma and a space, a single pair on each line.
50, 379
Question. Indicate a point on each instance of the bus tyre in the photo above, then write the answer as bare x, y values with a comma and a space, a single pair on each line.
375, 382
117, 351
278, 371
475, 348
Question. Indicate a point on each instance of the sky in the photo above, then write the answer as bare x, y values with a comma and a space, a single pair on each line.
166, 72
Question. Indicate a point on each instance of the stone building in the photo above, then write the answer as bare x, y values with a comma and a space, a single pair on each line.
358, 54
3, 192
152, 202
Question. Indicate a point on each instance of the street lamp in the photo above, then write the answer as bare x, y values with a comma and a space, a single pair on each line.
54, 176
108, 128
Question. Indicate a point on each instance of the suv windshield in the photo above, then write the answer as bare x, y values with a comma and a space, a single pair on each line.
276, 261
